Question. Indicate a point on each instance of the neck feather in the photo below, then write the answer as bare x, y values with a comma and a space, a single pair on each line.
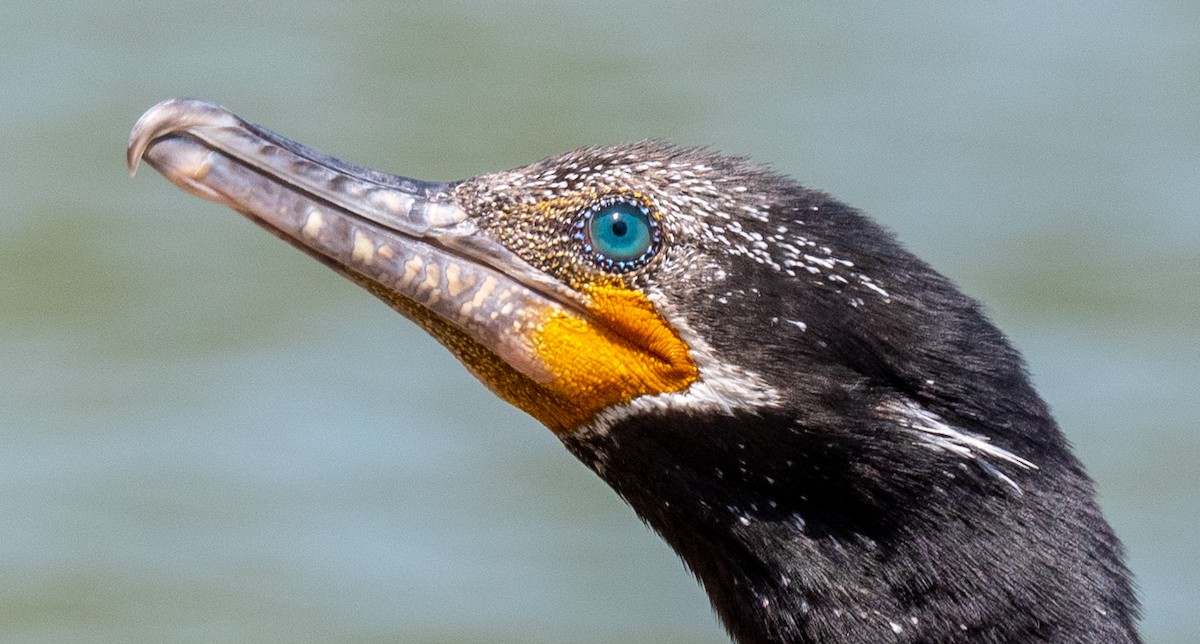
854, 534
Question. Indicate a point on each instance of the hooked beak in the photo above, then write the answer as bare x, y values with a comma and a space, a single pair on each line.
406, 241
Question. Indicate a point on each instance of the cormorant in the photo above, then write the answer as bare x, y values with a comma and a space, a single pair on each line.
835, 439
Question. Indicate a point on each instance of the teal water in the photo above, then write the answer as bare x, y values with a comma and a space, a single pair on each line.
205, 436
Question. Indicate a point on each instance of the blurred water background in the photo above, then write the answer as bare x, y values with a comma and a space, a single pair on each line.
206, 436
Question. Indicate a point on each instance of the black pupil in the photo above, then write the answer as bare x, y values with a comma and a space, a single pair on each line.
619, 227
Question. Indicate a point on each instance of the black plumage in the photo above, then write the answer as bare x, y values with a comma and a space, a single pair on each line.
817, 520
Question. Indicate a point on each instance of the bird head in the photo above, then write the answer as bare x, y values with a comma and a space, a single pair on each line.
571, 287
822, 426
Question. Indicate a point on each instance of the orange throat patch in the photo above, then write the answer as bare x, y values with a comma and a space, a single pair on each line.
625, 351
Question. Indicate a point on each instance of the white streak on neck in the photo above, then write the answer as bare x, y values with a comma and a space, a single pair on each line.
938, 435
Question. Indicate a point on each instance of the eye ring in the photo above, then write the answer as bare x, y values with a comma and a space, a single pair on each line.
620, 233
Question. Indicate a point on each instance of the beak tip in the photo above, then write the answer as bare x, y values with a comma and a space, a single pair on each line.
171, 116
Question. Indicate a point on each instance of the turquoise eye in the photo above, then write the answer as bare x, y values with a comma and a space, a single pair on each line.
619, 233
